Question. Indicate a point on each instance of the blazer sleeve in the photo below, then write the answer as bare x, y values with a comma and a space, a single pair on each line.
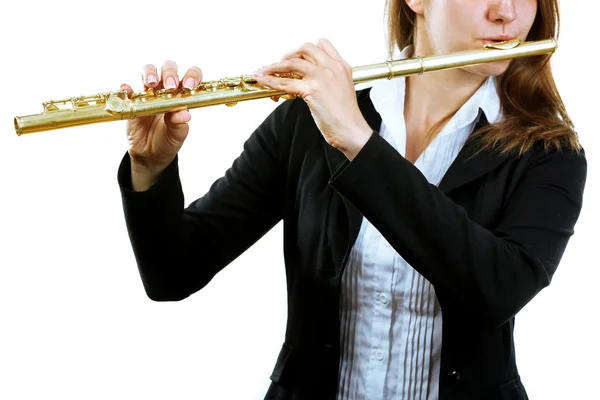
488, 275
179, 250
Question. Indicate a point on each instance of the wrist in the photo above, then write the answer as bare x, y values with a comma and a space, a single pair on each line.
144, 175
148, 166
357, 141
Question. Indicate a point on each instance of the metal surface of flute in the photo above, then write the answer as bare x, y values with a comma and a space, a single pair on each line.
114, 106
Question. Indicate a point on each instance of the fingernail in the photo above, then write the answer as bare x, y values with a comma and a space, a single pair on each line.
189, 83
258, 73
170, 83
152, 79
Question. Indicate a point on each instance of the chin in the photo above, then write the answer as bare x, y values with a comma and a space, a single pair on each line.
490, 69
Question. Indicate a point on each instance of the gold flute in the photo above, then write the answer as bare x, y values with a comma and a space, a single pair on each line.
113, 106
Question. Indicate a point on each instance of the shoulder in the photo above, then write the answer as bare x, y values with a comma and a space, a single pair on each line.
558, 168
526, 150
563, 150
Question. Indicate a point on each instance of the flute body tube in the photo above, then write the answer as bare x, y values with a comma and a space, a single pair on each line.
118, 105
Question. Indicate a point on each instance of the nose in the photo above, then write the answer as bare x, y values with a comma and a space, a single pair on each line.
502, 11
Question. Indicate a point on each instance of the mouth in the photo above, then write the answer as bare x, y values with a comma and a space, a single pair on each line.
497, 39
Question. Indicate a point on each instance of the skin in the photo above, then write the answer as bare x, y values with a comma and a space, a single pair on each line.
443, 26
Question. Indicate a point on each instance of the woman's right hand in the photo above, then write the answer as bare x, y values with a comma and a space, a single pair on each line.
155, 140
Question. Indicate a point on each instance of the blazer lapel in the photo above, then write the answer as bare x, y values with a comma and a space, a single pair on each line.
469, 166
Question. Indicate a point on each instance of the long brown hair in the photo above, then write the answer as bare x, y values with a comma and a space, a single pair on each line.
531, 105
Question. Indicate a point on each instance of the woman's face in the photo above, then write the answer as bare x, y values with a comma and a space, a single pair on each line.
457, 25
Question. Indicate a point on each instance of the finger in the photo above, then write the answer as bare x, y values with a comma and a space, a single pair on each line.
149, 76
192, 77
177, 124
286, 85
168, 75
127, 88
178, 117
308, 51
295, 65
328, 48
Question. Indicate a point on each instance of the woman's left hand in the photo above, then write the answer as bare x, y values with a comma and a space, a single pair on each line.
328, 90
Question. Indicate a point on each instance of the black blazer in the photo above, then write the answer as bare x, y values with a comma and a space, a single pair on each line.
489, 238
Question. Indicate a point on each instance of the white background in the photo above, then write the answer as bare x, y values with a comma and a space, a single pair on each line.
75, 322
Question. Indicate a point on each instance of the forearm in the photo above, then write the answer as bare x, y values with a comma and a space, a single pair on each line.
160, 235
491, 275
179, 250
465, 263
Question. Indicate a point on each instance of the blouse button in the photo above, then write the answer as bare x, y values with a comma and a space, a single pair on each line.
454, 376
383, 299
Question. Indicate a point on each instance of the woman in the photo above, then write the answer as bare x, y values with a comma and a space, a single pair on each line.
423, 211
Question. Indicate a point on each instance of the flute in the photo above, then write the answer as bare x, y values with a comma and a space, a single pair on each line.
118, 105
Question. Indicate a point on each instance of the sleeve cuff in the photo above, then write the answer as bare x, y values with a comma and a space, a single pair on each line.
167, 180
350, 172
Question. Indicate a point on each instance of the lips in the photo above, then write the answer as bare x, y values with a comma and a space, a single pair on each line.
496, 39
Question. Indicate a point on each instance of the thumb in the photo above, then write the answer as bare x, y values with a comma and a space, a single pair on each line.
177, 124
